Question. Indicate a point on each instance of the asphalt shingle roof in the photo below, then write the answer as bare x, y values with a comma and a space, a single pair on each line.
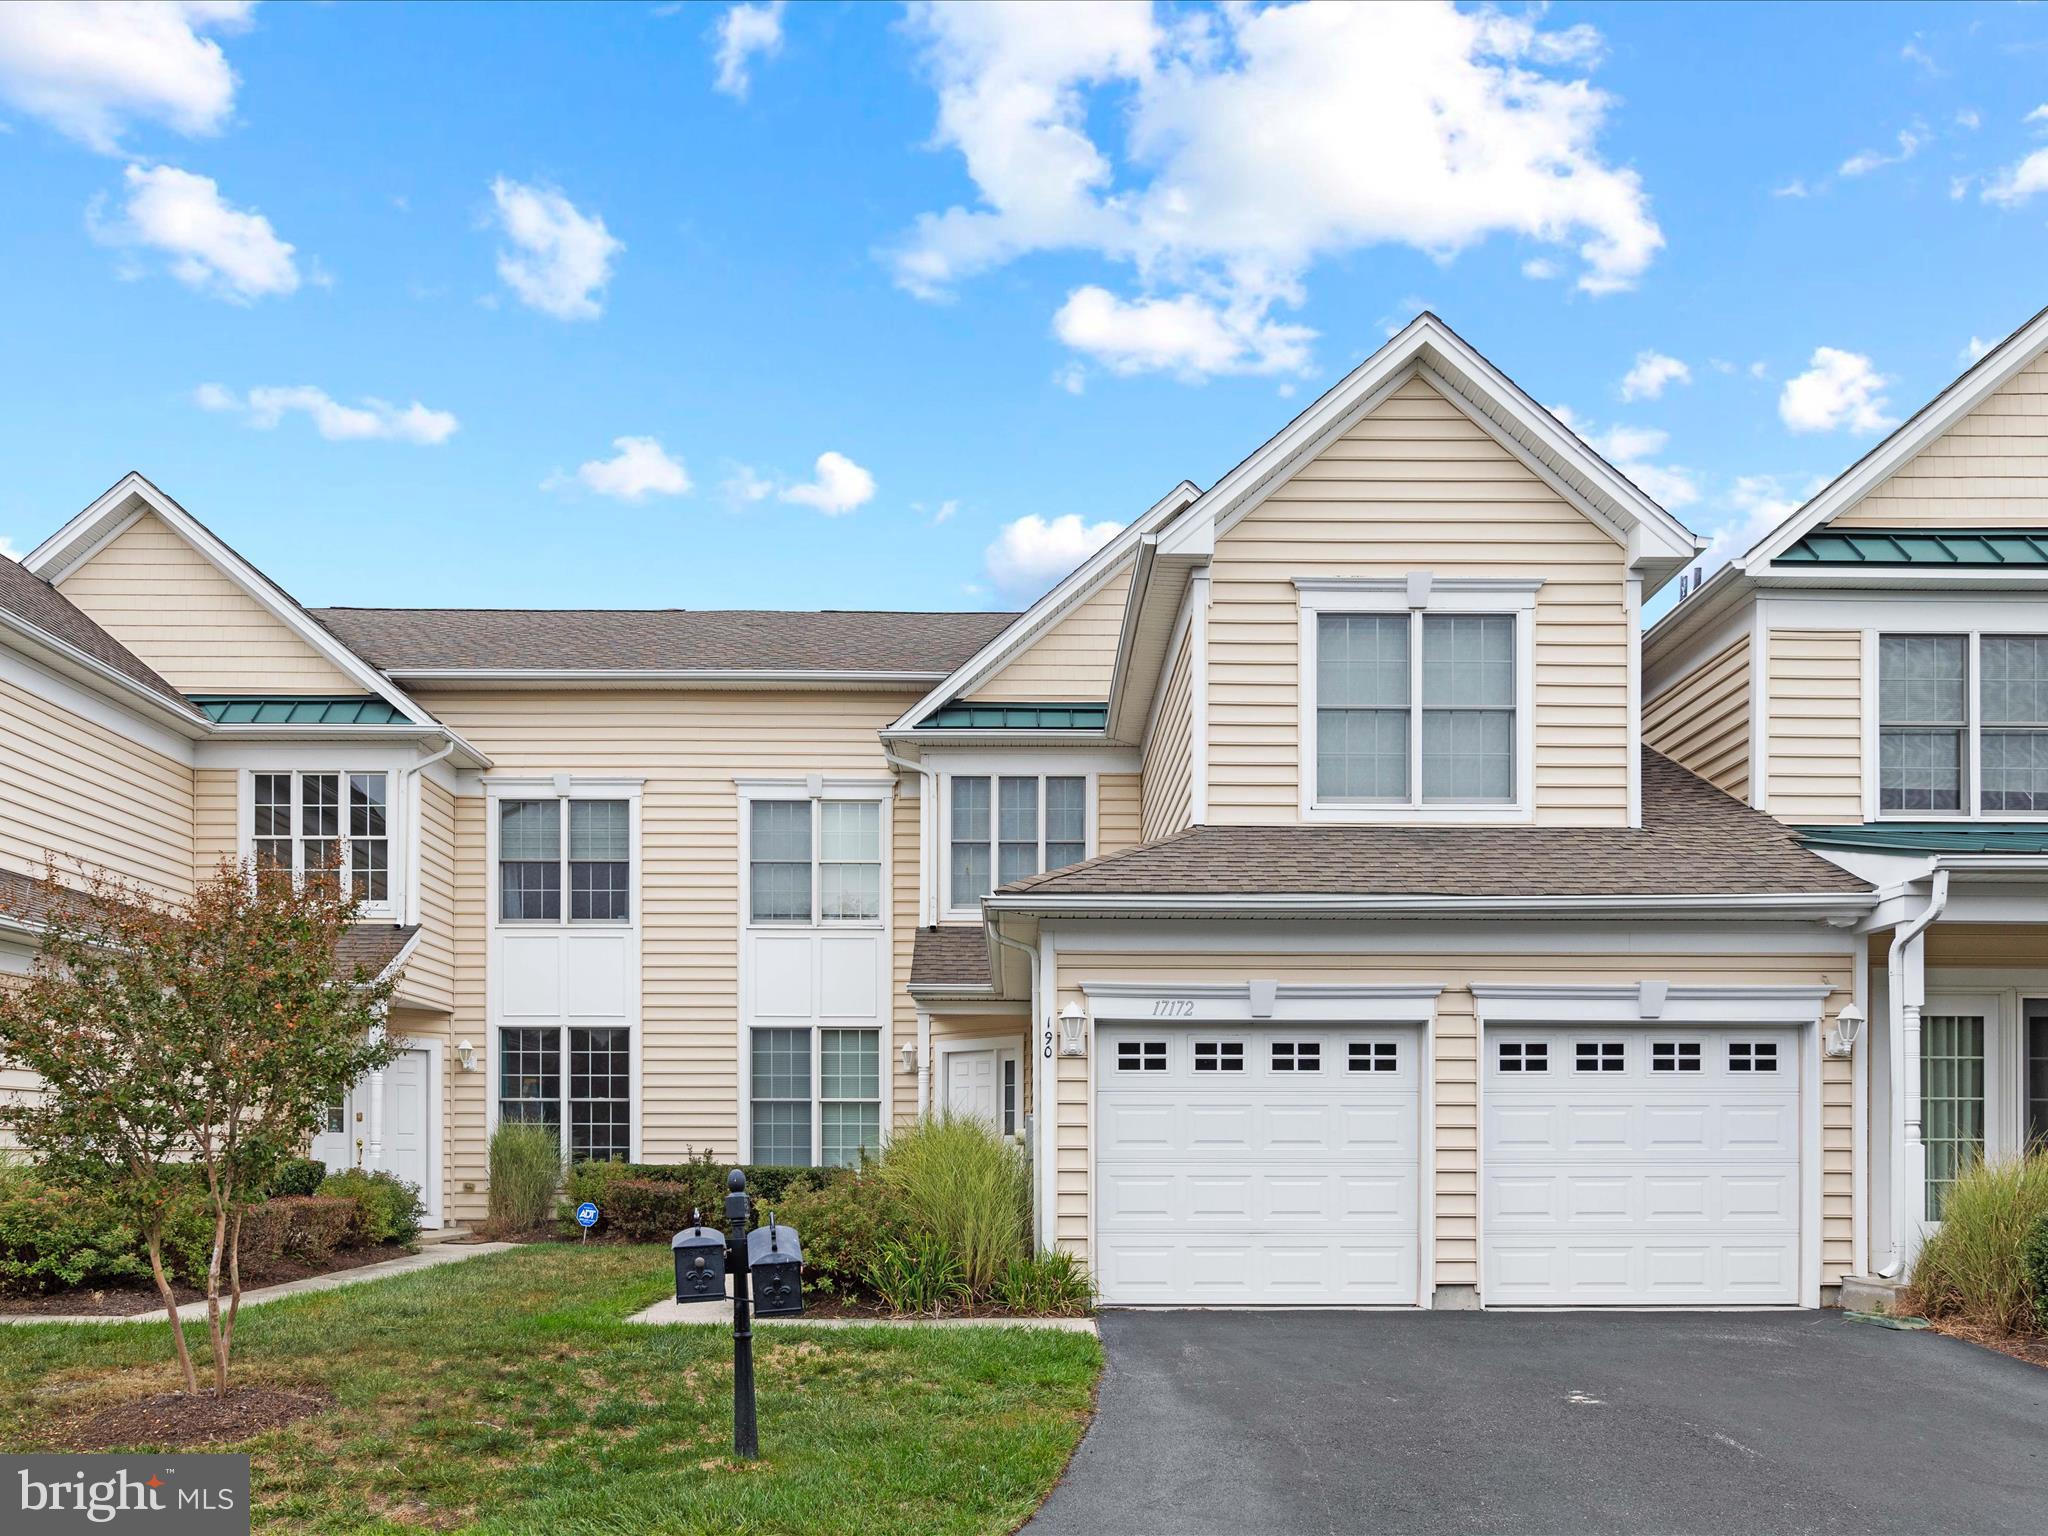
1694, 841
29, 597
950, 956
660, 639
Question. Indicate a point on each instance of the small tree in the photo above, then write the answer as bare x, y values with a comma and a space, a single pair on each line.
198, 1037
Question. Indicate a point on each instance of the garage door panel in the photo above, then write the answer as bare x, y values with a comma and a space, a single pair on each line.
1631, 1184
1288, 1186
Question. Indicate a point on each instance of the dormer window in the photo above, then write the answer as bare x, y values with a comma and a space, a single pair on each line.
310, 822
1417, 699
1003, 827
1962, 725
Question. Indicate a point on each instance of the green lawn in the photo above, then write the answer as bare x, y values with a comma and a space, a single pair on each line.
507, 1394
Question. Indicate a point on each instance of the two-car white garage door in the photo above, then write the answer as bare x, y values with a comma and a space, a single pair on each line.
1280, 1166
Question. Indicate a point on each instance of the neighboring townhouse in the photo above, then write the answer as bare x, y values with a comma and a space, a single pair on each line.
1297, 878
1874, 673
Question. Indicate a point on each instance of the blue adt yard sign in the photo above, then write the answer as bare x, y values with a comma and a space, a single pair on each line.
586, 1214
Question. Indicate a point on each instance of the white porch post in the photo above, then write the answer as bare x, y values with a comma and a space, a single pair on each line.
1913, 973
373, 1111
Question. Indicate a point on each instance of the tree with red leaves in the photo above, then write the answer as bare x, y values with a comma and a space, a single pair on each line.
184, 1040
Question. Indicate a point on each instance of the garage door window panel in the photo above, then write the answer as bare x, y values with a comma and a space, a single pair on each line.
1297, 1056
1601, 1056
1141, 1056
1374, 1056
1521, 1056
1674, 1056
1219, 1055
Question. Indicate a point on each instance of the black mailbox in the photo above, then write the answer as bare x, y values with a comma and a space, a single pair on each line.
776, 1260
700, 1263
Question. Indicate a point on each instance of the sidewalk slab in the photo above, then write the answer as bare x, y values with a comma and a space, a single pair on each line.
195, 1311
671, 1313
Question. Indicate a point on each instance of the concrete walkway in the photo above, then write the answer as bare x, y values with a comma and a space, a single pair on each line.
672, 1313
429, 1257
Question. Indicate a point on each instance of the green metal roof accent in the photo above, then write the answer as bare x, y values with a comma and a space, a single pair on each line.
1974, 548
1017, 717
1931, 836
245, 709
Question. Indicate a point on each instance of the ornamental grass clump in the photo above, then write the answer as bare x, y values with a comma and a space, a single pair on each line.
954, 1179
1974, 1267
525, 1169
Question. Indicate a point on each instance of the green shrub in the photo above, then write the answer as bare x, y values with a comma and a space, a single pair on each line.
390, 1207
700, 1178
52, 1239
842, 1225
298, 1176
918, 1274
2034, 1259
1973, 1265
525, 1170
960, 1183
1046, 1284
650, 1210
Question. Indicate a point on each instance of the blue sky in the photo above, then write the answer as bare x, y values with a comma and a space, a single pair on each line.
722, 235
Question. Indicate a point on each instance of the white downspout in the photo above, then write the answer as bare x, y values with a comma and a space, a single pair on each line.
415, 811
1041, 1128
1903, 965
924, 1063
928, 836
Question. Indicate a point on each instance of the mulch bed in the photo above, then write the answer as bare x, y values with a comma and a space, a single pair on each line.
2030, 1347
135, 1300
175, 1418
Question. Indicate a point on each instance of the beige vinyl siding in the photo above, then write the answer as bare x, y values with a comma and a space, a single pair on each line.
1168, 802
1073, 660
430, 974
1117, 797
1984, 945
1814, 725
689, 747
1417, 486
1988, 470
1702, 720
175, 609
216, 823
1455, 1113
80, 792
899, 1088
469, 1092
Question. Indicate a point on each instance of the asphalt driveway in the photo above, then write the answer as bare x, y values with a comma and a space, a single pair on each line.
1735, 1424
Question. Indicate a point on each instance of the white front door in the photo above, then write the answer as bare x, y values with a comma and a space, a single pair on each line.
1258, 1165
1640, 1167
983, 1081
405, 1117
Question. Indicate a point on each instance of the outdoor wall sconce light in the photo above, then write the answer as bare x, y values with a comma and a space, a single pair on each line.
1073, 1031
1841, 1040
909, 1057
467, 1052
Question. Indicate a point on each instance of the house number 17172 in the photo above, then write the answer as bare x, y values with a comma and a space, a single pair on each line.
1173, 1008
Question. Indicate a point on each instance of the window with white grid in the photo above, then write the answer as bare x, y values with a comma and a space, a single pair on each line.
1003, 827
325, 822
548, 846
2014, 747
814, 861
1923, 722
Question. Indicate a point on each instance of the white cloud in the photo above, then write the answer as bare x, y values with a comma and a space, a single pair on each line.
1796, 187
1915, 52
7, 549
1975, 348
212, 245
945, 513
1540, 269
1073, 378
1863, 162
2038, 115
1254, 143
371, 420
1631, 450
1838, 389
560, 259
839, 486
90, 69
1031, 553
1970, 118
1759, 503
2017, 183
1652, 371
1187, 335
743, 32
641, 468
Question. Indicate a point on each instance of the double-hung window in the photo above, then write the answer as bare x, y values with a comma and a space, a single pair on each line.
1003, 827
814, 861
1417, 697
322, 822
598, 1105
581, 846
1962, 725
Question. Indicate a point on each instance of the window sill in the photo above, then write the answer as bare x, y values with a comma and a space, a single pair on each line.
1419, 815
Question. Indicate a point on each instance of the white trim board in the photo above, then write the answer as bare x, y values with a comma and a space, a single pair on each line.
1259, 1002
